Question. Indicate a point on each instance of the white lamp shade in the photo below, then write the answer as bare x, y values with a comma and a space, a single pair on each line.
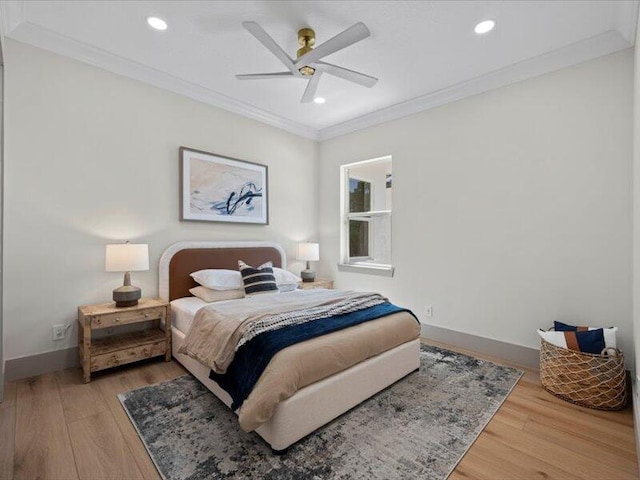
127, 257
309, 252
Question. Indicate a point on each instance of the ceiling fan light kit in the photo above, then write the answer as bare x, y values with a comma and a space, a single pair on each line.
308, 64
306, 40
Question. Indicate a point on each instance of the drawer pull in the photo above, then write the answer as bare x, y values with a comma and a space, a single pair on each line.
117, 319
146, 315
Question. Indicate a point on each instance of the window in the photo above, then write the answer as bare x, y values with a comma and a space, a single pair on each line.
359, 202
366, 212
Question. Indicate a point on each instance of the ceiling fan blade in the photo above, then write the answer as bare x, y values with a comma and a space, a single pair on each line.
351, 35
260, 76
346, 74
312, 86
265, 39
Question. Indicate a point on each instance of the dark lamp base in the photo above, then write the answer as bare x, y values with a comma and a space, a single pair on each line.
128, 303
308, 275
127, 296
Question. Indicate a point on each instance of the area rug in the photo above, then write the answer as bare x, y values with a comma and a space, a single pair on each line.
420, 427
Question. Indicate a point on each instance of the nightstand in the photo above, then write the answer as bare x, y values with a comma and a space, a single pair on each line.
317, 283
120, 349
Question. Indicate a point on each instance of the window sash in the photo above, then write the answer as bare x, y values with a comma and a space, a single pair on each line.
360, 258
367, 215
364, 217
370, 195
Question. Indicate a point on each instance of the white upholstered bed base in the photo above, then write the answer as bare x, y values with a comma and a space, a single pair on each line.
316, 404
319, 403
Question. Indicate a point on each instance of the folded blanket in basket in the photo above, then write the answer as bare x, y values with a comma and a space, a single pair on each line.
588, 341
609, 333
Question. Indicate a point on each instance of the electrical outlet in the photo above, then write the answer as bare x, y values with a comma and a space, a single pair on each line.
59, 331
428, 310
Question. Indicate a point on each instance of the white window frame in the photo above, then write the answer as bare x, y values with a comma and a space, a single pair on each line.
359, 264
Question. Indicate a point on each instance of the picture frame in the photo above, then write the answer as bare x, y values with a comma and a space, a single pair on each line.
215, 188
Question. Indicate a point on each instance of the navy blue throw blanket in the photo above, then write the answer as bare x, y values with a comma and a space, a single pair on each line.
254, 356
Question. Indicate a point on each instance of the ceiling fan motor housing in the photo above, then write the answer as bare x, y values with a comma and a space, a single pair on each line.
306, 40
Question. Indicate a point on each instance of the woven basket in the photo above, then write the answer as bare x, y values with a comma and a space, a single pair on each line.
593, 381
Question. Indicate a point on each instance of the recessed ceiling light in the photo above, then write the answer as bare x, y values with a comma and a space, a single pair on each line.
319, 100
485, 27
157, 23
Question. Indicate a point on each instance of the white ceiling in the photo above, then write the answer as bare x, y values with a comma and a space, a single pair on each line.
424, 53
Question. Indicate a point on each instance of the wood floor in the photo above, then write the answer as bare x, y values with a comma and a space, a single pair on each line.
55, 427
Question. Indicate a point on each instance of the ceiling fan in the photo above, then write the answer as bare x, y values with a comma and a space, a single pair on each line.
308, 64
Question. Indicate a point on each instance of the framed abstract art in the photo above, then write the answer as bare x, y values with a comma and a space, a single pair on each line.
214, 188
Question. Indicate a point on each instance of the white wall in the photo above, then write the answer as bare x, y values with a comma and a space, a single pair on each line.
92, 158
2, 365
510, 209
636, 234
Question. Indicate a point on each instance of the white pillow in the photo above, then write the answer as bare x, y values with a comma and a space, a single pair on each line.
284, 277
209, 295
218, 279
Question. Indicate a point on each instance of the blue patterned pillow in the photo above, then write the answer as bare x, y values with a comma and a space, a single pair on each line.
609, 333
563, 327
258, 281
590, 341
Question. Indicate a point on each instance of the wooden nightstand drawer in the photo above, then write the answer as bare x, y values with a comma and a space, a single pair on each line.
128, 355
125, 317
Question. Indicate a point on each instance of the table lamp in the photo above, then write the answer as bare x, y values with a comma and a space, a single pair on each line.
311, 253
127, 257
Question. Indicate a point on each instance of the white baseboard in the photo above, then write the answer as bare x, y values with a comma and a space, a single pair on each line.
525, 356
24, 367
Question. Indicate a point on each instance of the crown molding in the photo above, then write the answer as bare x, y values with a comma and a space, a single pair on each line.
594, 47
15, 24
626, 21
46, 39
12, 14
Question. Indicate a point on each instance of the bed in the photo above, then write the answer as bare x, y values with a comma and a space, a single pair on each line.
312, 406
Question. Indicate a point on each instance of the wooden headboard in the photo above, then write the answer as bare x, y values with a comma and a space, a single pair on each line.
181, 259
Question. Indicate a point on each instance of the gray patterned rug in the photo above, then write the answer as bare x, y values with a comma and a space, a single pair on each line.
420, 427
